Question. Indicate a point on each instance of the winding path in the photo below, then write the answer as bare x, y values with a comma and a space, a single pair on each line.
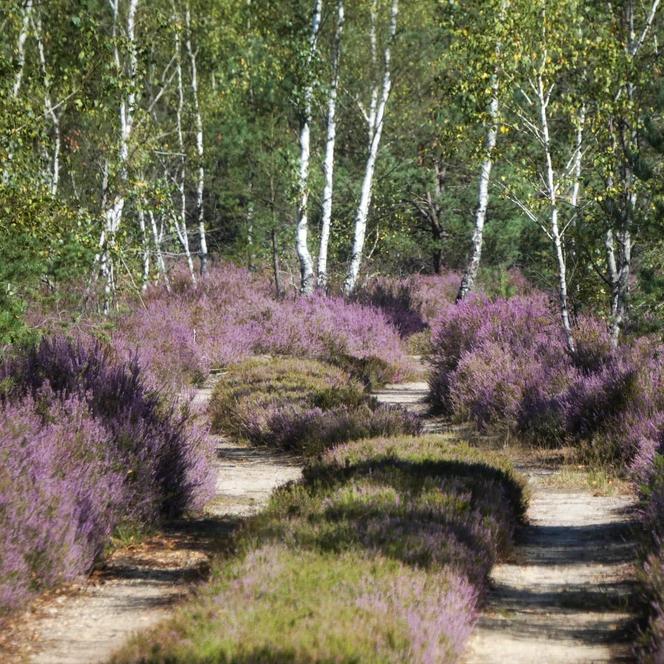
564, 597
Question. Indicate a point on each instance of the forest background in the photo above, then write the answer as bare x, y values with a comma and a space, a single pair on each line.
327, 143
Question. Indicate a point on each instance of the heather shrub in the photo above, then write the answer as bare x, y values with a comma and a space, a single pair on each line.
410, 303
180, 336
406, 498
300, 405
313, 430
380, 554
84, 446
61, 493
278, 605
485, 354
165, 458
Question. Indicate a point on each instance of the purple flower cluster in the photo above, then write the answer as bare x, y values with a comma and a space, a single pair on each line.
410, 303
440, 616
85, 444
231, 314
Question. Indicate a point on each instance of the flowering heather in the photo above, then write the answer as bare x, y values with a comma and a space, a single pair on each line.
301, 405
486, 354
85, 445
61, 492
410, 303
503, 363
281, 605
181, 335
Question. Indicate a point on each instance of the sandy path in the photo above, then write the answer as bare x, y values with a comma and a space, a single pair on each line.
136, 588
564, 597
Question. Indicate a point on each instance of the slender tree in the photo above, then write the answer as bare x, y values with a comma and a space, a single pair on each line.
473, 264
328, 165
200, 148
375, 118
306, 262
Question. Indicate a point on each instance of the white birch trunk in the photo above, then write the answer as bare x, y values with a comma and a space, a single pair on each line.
49, 110
302, 246
200, 149
180, 221
473, 266
115, 206
20, 47
328, 165
157, 239
18, 78
475, 258
376, 123
556, 235
146, 250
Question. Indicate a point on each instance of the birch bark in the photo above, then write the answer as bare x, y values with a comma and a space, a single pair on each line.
302, 246
114, 206
200, 148
328, 166
180, 221
49, 111
376, 121
475, 258
543, 99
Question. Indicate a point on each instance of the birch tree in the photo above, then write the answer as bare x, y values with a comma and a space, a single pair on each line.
200, 149
302, 246
24, 31
557, 175
328, 165
623, 125
51, 113
375, 119
180, 218
114, 201
473, 264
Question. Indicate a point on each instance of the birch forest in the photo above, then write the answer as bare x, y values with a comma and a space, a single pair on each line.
367, 294
331, 142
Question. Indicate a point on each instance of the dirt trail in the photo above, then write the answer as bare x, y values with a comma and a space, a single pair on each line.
564, 597
87, 623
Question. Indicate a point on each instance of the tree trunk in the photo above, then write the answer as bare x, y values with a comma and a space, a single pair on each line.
181, 223
376, 123
328, 166
146, 250
157, 238
49, 111
302, 246
275, 263
556, 237
200, 149
115, 203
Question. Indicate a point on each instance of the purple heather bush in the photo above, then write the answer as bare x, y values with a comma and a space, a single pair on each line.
84, 446
300, 405
410, 303
231, 314
504, 363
